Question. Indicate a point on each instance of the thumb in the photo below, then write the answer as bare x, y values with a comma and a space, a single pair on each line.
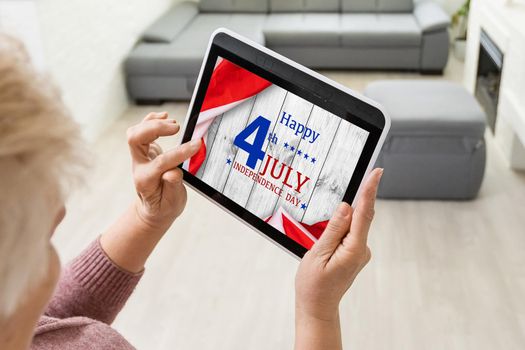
172, 180
335, 231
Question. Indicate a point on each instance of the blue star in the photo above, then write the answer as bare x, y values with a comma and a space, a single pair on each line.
304, 206
228, 161
313, 160
306, 156
286, 145
299, 152
292, 148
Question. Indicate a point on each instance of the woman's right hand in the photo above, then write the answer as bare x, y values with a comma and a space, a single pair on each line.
329, 269
161, 193
157, 178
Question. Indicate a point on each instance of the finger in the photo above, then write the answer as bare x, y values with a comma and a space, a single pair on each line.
141, 135
364, 211
175, 157
156, 115
337, 228
154, 150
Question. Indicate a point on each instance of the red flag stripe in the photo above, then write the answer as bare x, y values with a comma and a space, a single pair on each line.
230, 83
296, 234
304, 234
316, 229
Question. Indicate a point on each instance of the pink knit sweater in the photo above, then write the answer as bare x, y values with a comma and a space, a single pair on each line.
91, 292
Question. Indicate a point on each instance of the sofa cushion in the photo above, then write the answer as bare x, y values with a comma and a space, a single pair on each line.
306, 29
260, 6
304, 5
431, 17
249, 25
323, 57
358, 5
171, 23
394, 6
183, 56
379, 30
421, 107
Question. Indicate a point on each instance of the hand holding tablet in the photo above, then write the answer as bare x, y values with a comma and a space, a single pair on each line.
329, 269
281, 145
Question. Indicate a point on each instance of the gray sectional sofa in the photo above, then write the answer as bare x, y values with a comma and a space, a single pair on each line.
326, 34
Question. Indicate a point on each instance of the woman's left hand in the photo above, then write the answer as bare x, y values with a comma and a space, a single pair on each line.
157, 178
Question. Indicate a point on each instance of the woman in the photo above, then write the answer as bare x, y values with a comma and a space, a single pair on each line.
40, 160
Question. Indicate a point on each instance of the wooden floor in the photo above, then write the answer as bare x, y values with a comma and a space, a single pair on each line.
444, 275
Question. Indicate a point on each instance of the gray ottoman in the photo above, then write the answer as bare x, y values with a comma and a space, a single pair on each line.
436, 146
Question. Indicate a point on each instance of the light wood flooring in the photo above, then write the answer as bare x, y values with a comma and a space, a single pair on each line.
444, 275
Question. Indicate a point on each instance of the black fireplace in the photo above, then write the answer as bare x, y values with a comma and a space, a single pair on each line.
490, 65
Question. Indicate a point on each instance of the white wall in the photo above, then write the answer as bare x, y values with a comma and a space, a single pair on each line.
85, 43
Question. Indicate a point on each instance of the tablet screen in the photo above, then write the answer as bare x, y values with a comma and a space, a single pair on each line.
279, 156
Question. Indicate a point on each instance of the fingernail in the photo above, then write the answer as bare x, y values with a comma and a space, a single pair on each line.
195, 143
381, 171
342, 209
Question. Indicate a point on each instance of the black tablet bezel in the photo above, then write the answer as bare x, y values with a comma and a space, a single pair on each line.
302, 84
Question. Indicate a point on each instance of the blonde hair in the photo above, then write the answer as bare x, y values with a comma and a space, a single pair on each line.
41, 156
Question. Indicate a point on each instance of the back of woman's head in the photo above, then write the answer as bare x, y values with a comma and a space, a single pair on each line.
40, 157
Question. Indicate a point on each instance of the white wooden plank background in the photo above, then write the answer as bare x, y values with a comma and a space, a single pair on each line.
326, 124
336, 172
232, 123
268, 104
337, 151
262, 201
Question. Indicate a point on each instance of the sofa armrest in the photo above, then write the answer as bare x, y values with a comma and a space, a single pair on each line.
169, 25
431, 17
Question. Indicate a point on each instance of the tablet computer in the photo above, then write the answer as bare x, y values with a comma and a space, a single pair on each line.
282, 145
